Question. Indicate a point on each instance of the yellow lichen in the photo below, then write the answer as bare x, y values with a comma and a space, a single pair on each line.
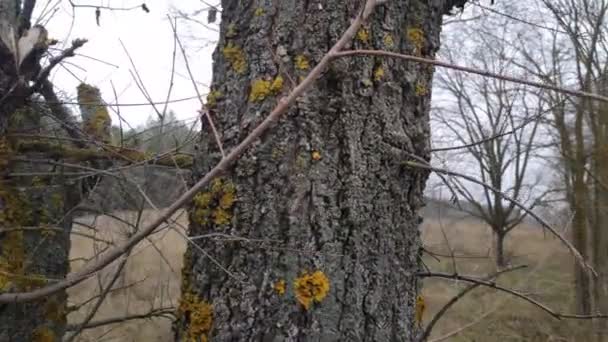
213, 97
279, 286
276, 153
389, 42
198, 314
421, 89
316, 155
311, 287
235, 56
13, 262
43, 334
221, 216
277, 85
363, 35
260, 89
378, 73
420, 306
302, 62
231, 30
96, 119
416, 37
259, 12
214, 206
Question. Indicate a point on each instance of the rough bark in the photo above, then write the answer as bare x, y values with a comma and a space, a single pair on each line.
325, 191
36, 199
501, 261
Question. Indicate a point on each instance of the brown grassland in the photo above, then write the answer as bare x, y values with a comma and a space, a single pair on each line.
152, 278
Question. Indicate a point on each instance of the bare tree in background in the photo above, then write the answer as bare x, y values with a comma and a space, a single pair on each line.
491, 126
575, 55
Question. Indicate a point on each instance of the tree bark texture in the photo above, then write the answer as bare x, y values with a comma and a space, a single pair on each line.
36, 198
501, 260
328, 214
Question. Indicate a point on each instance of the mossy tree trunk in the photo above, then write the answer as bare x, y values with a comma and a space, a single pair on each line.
36, 197
314, 234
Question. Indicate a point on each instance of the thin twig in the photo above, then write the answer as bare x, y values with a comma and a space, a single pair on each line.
583, 94
543, 223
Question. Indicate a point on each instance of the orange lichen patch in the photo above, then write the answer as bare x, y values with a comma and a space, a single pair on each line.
315, 155
198, 314
214, 206
311, 287
235, 56
279, 286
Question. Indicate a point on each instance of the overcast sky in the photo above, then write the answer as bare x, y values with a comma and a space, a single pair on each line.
148, 37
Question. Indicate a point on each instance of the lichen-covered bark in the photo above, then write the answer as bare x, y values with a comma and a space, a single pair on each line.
35, 225
323, 195
36, 203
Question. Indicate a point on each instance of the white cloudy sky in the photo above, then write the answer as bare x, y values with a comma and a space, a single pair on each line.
148, 37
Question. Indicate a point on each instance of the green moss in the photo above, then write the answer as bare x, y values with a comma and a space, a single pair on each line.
259, 12
235, 56
96, 119
213, 97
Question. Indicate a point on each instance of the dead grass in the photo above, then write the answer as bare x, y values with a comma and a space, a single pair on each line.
152, 281
496, 316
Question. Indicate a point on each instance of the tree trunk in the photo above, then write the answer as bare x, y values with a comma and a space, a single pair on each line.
600, 228
501, 261
35, 211
325, 213
35, 222
580, 242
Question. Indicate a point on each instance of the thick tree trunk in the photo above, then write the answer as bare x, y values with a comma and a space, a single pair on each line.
35, 222
35, 211
325, 214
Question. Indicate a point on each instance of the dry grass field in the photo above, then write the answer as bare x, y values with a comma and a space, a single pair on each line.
151, 281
